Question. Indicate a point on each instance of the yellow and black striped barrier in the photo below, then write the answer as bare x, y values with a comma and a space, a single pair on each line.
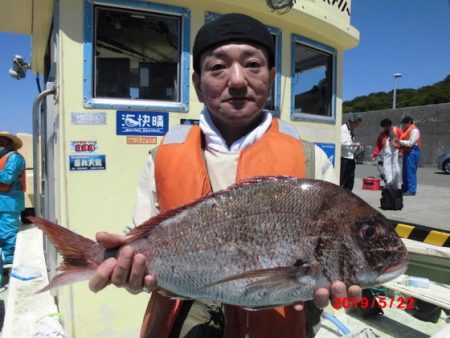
423, 234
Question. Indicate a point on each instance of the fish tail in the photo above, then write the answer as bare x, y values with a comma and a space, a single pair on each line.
81, 255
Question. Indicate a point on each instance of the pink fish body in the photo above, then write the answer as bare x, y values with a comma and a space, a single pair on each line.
267, 242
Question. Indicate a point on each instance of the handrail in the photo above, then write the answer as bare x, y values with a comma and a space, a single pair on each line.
36, 154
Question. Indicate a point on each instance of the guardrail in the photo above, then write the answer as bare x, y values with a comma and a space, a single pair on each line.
423, 234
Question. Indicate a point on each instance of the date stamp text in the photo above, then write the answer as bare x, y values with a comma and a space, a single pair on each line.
365, 303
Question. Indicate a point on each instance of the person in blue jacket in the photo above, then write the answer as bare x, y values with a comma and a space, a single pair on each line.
12, 187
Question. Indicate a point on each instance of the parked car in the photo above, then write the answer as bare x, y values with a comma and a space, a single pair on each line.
443, 163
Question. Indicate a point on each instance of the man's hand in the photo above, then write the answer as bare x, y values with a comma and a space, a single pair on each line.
338, 290
126, 270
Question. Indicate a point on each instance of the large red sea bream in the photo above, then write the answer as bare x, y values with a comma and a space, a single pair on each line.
267, 242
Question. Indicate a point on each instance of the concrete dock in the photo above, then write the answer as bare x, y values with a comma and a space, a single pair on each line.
430, 207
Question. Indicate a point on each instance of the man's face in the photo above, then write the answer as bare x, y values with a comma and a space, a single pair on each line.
234, 83
354, 124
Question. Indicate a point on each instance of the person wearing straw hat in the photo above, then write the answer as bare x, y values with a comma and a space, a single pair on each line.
12, 187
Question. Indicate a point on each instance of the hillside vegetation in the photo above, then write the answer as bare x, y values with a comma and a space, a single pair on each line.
436, 93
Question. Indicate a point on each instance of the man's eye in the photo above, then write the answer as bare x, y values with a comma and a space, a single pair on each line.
217, 67
253, 64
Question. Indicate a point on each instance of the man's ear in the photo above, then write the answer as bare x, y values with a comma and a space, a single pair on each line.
196, 80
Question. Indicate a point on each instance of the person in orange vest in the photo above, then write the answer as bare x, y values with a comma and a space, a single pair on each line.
385, 148
410, 143
12, 187
233, 59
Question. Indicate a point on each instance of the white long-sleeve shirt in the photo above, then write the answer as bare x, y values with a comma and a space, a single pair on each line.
348, 148
221, 163
413, 138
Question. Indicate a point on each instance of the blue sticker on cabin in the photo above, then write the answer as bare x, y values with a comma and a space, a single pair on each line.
139, 123
87, 162
329, 149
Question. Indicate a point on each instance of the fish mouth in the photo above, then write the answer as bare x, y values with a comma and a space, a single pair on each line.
391, 274
393, 271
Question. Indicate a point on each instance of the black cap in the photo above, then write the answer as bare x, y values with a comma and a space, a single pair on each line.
406, 119
232, 27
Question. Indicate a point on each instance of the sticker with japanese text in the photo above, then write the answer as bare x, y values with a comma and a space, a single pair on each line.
88, 118
83, 146
142, 123
142, 140
87, 162
329, 149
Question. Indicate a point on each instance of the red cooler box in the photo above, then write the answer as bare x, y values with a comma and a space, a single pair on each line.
371, 183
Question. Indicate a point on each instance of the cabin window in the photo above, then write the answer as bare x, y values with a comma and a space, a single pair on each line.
313, 81
138, 58
273, 100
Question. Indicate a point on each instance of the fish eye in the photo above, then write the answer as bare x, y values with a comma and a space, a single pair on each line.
369, 231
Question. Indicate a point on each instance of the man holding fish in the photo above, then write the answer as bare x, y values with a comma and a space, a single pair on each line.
237, 139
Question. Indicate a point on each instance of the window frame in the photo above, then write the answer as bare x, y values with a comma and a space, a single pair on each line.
297, 116
276, 32
277, 82
89, 101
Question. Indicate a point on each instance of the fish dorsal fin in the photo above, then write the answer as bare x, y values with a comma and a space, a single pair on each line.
143, 229
252, 181
258, 179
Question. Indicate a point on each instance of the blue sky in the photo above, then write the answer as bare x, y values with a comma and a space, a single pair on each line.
406, 36
410, 37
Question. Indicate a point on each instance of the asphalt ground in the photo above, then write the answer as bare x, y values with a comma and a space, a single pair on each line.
430, 207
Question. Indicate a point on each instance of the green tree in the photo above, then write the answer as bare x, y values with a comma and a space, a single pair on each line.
436, 93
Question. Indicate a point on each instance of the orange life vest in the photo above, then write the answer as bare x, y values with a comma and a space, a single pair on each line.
23, 181
181, 177
406, 135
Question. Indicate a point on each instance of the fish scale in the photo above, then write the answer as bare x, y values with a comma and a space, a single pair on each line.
266, 242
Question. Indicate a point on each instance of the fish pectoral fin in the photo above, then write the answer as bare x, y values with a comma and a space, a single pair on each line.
274, 278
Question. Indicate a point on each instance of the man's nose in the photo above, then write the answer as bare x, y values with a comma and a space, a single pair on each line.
237, 76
